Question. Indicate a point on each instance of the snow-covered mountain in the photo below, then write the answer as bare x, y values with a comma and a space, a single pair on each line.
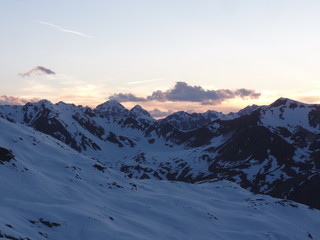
189, 121
51, 191
272, 150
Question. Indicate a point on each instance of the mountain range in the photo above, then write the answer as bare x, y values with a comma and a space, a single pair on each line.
117, 163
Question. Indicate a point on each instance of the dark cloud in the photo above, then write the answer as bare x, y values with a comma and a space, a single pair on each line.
242, 92
38, 71
183, 92
224, 94
11, 100
126, 97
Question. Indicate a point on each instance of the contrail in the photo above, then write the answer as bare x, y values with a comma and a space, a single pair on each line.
145, 81
64, 30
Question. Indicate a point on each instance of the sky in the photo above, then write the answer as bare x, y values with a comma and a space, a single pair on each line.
166, 56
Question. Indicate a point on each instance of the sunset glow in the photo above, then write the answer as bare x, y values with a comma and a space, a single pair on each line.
160, 54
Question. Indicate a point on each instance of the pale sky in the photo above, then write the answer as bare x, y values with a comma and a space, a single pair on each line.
168, 54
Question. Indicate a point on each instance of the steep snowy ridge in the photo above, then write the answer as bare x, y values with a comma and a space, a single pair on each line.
271, 149
291, 114
51, 191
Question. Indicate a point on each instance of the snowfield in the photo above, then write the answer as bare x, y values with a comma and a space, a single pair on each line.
50, 191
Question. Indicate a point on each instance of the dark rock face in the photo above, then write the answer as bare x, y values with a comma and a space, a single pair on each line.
314, 117
90, 125
99, 167
279, 102
5, 155
196, 138
113, 138
255, 142
302, 188
53, 127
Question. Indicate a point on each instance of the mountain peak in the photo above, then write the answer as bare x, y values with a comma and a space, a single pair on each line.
111, 107
111, 104
138, 108
286, 102
138, 112
44, 103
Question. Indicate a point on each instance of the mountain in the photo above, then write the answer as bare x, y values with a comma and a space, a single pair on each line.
138, 113
245, 111
189, 121
51, 191
272, 149
111, 108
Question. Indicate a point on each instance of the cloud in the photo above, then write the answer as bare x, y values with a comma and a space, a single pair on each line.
185, 93
126, 97
242, 92
38, 71
182, 92
156, 113
11, 100
65, 30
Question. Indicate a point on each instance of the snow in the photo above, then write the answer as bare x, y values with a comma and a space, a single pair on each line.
48, 182
288, 117
140, 114
111, 107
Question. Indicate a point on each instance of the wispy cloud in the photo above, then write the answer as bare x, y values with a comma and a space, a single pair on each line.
39, 70
145, 81
182, 92
11, 100
64, 29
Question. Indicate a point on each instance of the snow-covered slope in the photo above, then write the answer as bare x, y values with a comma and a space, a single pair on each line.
271, 149
50, 191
